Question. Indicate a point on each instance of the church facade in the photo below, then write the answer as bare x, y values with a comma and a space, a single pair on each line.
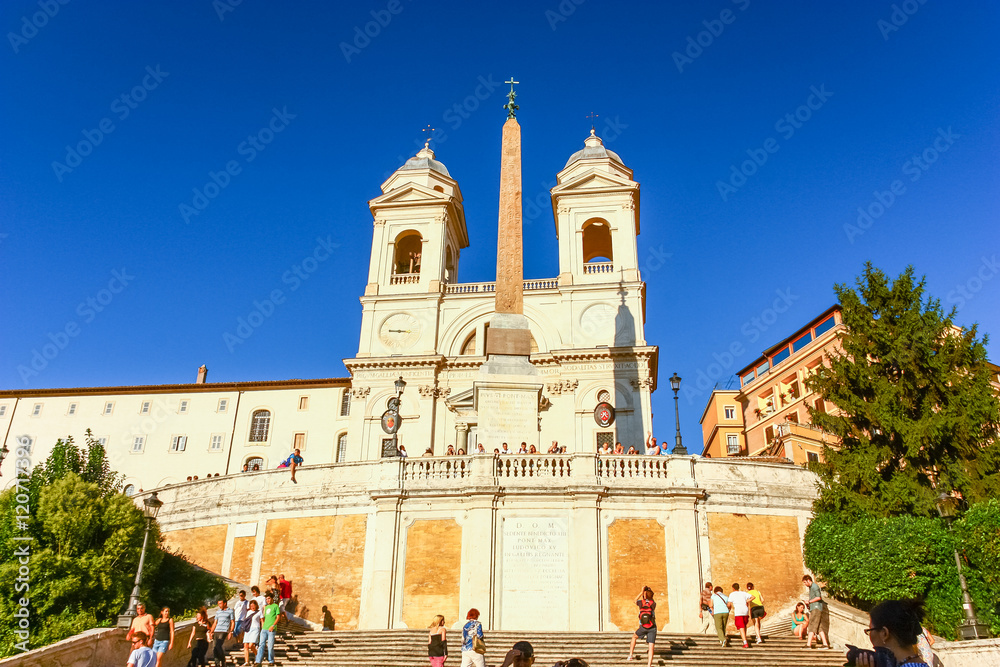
543, 541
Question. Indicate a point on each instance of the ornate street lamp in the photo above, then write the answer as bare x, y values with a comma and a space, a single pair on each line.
675, 384
971, 628
400, 385
3, 454
151, 507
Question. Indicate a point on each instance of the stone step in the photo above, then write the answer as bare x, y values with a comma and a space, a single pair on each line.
408, 648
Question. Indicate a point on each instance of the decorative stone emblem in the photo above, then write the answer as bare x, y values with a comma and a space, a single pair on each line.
360, 392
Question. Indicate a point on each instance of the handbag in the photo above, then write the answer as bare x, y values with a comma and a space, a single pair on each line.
478, 645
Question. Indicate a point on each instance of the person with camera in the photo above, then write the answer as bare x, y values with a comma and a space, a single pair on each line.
647, 623
893, 631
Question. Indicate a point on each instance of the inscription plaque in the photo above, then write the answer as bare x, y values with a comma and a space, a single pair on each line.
535, 574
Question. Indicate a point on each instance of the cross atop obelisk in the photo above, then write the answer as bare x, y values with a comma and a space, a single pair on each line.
510, 106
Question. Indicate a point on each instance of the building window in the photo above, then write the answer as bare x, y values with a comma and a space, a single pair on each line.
299, 441
730, 411
36, 410
109, 407
254, 463
72, 409
216, 443
303, 402
144, 410
3, 410
597, 244
183, 408
469, 347
387, 448
178, 443
780, 356
820, 405
102, 441
345, 403
732, 444
129, 490
342, 448
802, 341
769, 435
409, 246
260, 424
605, 438
792, 416
138, 442
604, 396
824, 326
223, 405
812, 456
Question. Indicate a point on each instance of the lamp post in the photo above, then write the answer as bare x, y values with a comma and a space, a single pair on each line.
971, 628
151, 507
675, 384
3, 454
400, 385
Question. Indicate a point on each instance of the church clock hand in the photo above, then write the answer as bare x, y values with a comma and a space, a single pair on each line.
400, 331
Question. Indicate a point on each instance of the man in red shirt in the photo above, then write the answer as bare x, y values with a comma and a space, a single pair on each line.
285, 591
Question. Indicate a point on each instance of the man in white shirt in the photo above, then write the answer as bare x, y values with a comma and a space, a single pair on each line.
240, 610
503, 449
739, 602
651, 447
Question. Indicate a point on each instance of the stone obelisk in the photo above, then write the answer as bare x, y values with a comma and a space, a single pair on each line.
508, 389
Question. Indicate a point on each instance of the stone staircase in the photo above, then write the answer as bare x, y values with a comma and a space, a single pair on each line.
408, 648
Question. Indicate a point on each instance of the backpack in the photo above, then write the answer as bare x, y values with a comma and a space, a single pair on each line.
646, 613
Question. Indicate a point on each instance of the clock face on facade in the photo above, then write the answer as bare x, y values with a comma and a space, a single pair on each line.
399, 331
598, 322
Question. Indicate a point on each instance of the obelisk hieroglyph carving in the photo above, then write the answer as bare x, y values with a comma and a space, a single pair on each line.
509, 333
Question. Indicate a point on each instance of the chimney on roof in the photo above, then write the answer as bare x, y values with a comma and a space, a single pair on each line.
202, 374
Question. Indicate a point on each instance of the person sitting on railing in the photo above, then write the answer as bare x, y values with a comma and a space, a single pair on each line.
554, 449
651, 447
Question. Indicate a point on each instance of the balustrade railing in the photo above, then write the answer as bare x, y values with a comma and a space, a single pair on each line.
598, 267
484, 288
632, 467
404, 279
422, 469
519, 465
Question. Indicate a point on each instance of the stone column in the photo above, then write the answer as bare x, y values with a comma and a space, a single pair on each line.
462, 437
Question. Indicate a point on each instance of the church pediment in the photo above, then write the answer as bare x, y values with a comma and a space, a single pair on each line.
462, 403
595, 181
410, 193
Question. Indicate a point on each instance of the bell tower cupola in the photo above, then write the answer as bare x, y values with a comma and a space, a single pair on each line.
596, 207
418, 229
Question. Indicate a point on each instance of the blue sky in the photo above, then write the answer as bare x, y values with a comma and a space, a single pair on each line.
687, 93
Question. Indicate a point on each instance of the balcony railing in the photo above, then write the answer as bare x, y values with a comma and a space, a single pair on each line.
598, 267
483, 288
404, 279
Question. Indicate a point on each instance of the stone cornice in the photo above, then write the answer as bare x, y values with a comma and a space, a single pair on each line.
430, 361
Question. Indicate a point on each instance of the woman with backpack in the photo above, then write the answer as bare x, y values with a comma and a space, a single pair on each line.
647, 623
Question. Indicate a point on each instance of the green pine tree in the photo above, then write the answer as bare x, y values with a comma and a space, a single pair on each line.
917, 412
